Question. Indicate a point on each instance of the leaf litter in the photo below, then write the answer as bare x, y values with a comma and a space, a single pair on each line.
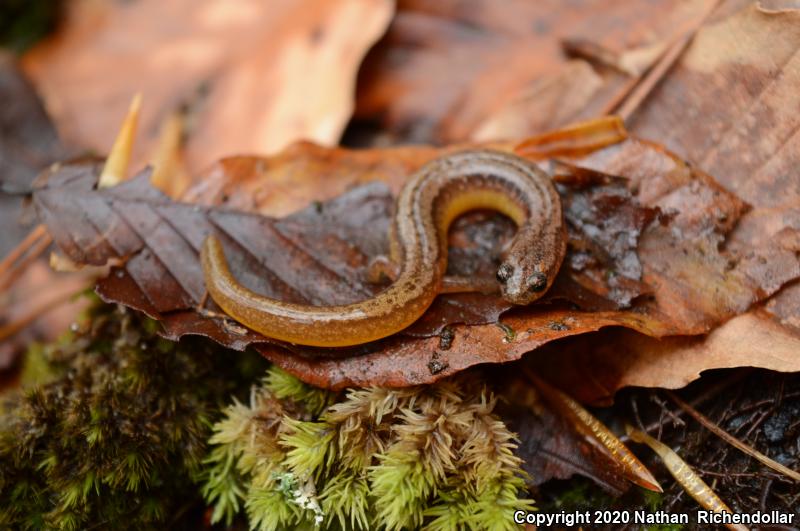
726, 272
653, 266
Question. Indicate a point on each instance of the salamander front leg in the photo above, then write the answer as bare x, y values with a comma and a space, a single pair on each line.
461, 284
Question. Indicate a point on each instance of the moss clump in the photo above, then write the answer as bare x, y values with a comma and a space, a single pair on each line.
297, 457
117, 434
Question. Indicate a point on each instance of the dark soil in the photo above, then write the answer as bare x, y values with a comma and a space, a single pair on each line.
759, 407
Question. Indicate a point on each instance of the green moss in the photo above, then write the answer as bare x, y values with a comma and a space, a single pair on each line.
115, 431
652, 500
434, 457
285, 387
115, 425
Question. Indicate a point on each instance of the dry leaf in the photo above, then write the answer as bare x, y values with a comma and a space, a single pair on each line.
551, 101
595, 367
256, 76
734, 85
451, 71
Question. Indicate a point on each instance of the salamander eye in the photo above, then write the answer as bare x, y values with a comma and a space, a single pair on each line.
504, 272
537, 282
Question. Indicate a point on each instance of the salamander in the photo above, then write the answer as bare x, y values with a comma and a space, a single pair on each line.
433, 197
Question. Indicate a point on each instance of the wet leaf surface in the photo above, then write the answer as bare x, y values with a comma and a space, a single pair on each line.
745, 137
319, 256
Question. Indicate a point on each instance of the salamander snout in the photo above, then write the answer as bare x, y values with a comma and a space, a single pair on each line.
521, 285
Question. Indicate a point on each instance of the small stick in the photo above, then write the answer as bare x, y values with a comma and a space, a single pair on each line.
733, 441
709, 393
53, 301
637, 89
676, 420
643, 89
22, 248
22, 255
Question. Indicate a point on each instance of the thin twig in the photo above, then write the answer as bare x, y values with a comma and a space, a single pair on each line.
676, 420
733, 441
652, 78
729, 474
51, 302
707, 394
22, 255
637, 89
21, 248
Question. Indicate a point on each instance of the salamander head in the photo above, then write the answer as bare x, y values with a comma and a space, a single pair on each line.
522, 283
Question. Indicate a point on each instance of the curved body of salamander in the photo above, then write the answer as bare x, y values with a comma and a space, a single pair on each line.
429, 202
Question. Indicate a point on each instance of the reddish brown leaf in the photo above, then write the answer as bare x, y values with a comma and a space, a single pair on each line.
550, 446
319, 255
301, 174
734, 123
594, 367
681, 260
745, 138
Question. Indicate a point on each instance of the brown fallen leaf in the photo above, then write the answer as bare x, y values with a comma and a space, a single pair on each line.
702, 208
733, 124
594, 367
266, 74
745, 138
332, 243
550, 446
28, 143
451, 71
596, 433
553, 100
